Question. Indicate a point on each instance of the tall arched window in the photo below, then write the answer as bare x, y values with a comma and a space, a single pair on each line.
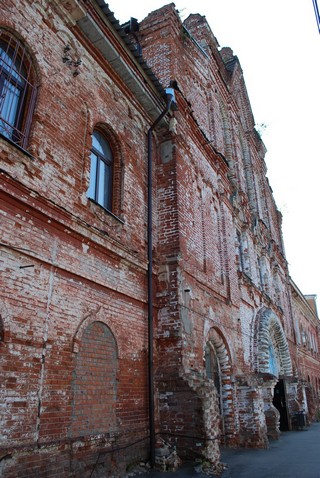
101, 171
17, 89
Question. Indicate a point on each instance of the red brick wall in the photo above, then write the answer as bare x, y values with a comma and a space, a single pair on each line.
217, 176
74, 275
67, 264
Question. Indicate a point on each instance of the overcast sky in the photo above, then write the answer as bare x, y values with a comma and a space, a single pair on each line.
278, 45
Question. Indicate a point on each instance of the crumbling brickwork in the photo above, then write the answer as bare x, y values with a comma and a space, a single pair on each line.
229, 329
306, 324
73, 275
230, 276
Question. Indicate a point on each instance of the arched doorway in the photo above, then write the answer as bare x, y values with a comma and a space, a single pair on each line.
269, 343
272, 362
218, 369
280, 402
279, 393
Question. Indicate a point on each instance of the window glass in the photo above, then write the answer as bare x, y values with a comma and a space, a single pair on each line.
102, 183
9, 103
17, 93
101, 145
93, 175
100, 186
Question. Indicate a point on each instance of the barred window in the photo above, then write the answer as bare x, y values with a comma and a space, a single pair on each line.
17, 89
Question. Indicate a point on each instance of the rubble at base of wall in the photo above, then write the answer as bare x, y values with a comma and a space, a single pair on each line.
141, 469
207, 468
201, 467
166, 457
167, 460
170, 462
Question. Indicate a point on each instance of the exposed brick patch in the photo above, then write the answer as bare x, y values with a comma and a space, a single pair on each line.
94, 383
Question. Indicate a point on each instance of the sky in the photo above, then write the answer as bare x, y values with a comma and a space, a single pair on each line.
278, 46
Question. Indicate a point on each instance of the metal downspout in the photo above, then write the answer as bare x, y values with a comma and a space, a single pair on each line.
170, 100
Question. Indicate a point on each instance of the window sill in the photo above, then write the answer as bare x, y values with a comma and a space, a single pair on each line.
107, 211
8, 140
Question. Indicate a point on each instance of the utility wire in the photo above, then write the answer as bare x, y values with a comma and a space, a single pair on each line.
316, 11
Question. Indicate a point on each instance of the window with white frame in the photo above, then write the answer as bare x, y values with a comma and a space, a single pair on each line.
101, 171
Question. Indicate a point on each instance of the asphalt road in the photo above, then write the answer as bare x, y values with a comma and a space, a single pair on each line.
295, 455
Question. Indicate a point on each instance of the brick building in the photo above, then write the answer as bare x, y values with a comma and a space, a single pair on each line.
89, 332
306, 322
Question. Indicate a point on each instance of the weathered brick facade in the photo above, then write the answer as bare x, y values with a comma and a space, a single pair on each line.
306, 323
74, 284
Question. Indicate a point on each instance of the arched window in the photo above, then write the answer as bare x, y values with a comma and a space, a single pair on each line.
17, 89
101, 171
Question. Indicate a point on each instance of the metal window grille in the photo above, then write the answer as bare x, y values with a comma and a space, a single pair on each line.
17, 90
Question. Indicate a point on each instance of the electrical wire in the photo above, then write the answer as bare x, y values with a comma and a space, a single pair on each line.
316, 11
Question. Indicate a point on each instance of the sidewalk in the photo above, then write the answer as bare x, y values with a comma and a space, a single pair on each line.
294, 455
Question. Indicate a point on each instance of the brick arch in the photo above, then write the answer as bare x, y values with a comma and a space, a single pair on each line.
14, 30
99, 315
21, 118
94, 381
268, 329
117, 171
218, 342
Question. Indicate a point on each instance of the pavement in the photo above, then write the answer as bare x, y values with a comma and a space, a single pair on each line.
295, 455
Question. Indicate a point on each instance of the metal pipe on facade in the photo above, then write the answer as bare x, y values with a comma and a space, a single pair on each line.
170, 102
